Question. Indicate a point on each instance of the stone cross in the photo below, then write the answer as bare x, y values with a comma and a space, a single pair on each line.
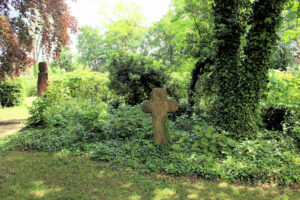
43, 78
159, 106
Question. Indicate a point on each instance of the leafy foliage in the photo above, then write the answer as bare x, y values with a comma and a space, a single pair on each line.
79, 84
88, 85
291, 28
134, 77
158, 42
11, 93
55, 94
280, 108
64, 61
124, 28
241, 70
282, 57
128, 121
122, 136
71, 125
92, 47
17, 31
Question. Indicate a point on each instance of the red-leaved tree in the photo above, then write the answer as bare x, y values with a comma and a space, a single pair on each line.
21, 20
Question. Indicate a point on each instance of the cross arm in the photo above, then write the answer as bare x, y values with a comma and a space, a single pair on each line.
172, 105
147, 107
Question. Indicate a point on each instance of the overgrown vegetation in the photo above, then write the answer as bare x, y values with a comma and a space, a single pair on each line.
241, 70
280, 108
123, 136
238, 117
133, 76
11, 93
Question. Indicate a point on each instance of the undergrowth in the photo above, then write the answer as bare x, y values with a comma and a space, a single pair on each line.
123, 137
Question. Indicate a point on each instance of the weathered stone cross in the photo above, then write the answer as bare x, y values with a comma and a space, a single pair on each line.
159, 106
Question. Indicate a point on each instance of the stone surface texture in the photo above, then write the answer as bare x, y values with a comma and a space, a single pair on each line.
43, 78
159, 106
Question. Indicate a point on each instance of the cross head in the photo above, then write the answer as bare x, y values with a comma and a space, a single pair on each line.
159, 106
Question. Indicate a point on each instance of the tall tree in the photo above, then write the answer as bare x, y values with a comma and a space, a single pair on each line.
18, 20
158, 42
92, 48
65, 60
242, 59
291, 27
124, 26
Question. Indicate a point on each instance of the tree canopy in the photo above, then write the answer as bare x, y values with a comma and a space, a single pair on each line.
20, 21
92, 48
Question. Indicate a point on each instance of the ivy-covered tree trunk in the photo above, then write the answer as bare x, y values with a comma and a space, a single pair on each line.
228, 33
241, 73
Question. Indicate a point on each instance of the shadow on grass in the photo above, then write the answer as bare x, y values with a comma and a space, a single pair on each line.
56, 176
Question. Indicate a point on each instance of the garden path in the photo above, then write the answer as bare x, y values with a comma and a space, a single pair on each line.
13, 119
11, 126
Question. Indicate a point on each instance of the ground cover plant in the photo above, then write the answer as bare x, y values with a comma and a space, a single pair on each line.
238, 117
123, 137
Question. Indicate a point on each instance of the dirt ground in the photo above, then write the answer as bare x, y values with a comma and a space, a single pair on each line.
10, 128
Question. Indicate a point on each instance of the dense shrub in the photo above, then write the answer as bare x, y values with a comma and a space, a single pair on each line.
128, 121
123, 137
134, 76
29, 85
65, 61
177, 86
56, 94
88, 85
11, 93
282, 56
248, 161
70, 124
263, 160
280, 109
80, 84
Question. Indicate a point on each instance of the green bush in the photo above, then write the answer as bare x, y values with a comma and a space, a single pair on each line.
56, 94
280, 109
282, 56
88, 85
29, 85
80, 84
134, 76
11, 93
127, 121
123, 137
70, 124
75, 112
262, 160
178, 84
65, 61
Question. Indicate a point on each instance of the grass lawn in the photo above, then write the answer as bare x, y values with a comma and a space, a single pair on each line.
56, 176
17, 112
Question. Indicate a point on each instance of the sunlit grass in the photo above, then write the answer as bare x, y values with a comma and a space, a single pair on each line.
17, 112
58, 176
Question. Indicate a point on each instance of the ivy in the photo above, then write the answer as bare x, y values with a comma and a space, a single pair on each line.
242, 59
200, 69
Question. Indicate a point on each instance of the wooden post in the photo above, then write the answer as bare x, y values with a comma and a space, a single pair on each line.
43, 78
